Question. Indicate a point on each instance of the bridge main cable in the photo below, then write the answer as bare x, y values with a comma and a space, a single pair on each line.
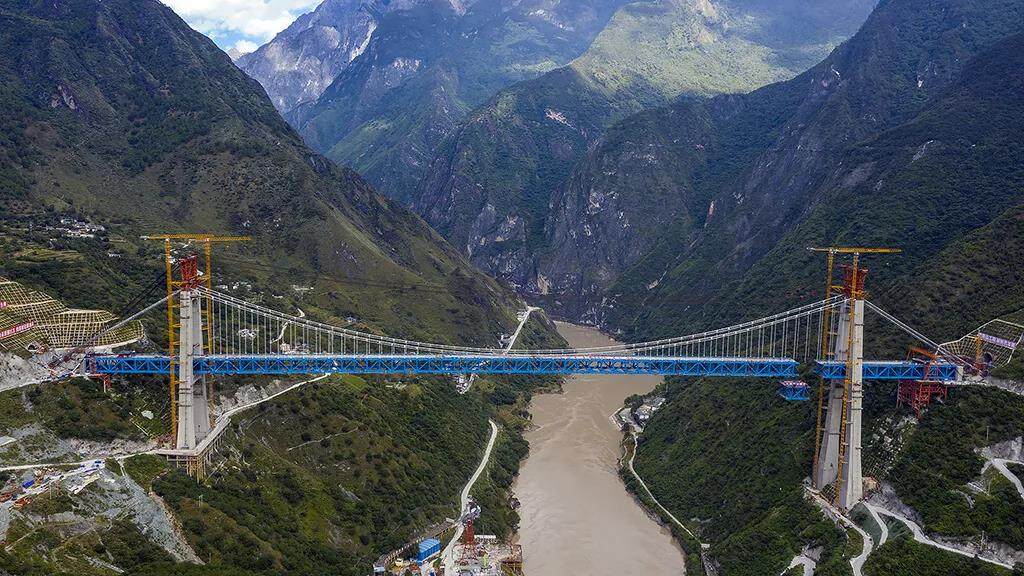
254, 316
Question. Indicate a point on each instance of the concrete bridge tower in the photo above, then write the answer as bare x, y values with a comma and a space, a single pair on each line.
193, 405
190, 405
193, 402
839, 456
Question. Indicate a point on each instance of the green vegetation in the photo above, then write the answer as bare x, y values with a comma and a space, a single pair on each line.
887, 188
145, 468
939, 459
1012, 371
116, 542
79, 408
327, 478
773, 540
520, 148
320, 481
166, 569
723, 479
869, 182
730, 457
904, 557
492, 490
240, 170
691, 546
445, 65
1016, 469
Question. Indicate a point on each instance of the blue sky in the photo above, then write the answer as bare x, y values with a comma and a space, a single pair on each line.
241, 24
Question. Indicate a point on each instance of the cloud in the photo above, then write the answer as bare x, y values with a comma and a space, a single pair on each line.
255, 21
245, 46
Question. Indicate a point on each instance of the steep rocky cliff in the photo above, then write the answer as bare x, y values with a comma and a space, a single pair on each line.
490, 187
302, 60
425, 67
674, 206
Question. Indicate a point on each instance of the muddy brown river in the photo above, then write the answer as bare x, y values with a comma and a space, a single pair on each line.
577, 517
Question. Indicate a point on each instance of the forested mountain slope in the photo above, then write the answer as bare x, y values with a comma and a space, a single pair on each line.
945, 184
116, 114
426, 65
490, 185
119, 113
676, 206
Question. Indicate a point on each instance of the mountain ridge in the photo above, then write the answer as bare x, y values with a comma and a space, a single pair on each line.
760, 165
117, 115
943, 183
428, 65
493, 181
181, 130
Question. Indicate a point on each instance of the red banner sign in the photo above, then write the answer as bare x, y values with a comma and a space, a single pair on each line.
16, 329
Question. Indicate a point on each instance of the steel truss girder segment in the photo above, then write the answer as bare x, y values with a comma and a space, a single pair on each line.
890, 370
453, 364
124, 364
420, 364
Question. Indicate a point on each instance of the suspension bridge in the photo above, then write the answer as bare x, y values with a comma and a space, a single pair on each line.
212, 333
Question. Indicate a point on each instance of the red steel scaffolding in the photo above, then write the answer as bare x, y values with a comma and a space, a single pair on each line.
918, 394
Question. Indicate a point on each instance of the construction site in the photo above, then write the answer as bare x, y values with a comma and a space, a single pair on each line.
486, 555
467, 553
472, 555
21, 489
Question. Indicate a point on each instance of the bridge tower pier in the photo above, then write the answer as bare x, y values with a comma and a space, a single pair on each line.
189, 393
839, 456
193, 411
190, 416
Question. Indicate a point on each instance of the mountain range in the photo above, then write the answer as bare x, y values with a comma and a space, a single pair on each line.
427, 66
109, 107
423, 68
682, 212
493, 182
653, 168
116, 114
907, 136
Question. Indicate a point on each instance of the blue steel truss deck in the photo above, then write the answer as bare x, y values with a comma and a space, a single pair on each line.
453, 364
891, 370
279, 364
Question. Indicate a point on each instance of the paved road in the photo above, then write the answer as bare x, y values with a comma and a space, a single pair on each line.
881, 524
1000, 465
857, 562
511, 342
447, 556
650, 495
522, 323
920, 536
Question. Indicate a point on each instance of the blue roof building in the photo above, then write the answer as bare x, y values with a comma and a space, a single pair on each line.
427, 549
